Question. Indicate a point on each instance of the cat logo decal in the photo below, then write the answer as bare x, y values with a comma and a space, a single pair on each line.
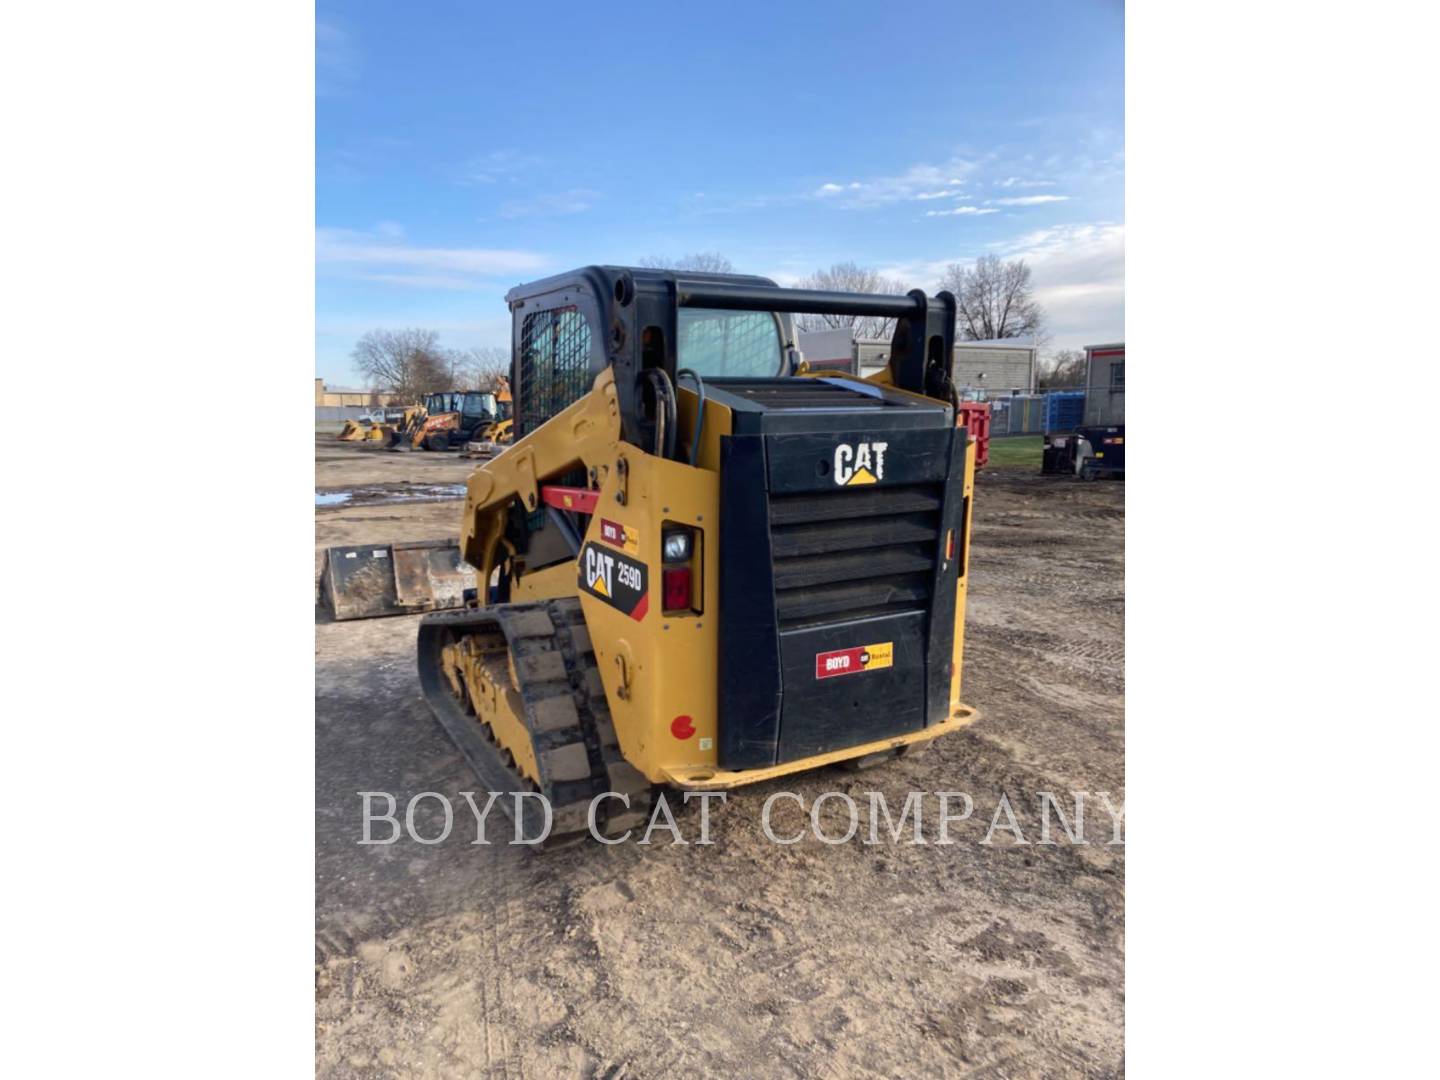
862, 463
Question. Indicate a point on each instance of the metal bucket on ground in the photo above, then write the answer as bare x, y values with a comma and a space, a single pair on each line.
364, 581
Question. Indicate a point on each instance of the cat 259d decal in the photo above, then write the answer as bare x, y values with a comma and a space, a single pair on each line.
620, 581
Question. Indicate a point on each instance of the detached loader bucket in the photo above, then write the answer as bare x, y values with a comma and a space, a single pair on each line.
370, 580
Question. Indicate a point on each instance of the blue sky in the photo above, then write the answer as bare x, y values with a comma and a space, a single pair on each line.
464, 147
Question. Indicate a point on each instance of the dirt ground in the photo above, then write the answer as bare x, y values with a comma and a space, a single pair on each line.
744, 958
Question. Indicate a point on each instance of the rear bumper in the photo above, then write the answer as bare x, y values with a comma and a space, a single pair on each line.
703, 779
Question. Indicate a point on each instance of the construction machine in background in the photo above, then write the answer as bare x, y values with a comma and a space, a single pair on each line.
374, 426
693, 567
497, 434
403, 437
449, 420
1089, 452
360, 430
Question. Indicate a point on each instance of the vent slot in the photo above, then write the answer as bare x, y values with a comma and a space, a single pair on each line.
844, 554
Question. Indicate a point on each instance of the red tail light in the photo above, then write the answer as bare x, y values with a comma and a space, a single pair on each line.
675, 587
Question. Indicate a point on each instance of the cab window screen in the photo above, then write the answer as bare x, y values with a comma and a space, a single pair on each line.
729, 343
554, 364
479, 405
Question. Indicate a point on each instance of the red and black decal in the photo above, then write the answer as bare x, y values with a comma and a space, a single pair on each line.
853, 661
621, 582
612, 532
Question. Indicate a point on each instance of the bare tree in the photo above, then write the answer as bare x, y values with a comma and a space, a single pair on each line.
702, 262
847, 277
408, 363
431, 374
1064, 369
995, 300
482, 367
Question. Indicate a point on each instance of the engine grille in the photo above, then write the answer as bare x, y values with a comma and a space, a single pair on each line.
851, 554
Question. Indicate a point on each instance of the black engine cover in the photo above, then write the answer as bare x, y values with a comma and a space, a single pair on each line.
837, 600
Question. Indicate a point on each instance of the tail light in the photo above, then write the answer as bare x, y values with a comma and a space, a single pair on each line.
676, 588
680, 554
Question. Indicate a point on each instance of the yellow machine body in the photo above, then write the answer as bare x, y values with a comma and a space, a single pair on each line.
593, 653
664, 666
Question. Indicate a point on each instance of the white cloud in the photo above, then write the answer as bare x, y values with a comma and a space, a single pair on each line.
337, 61
448, 283
1078, 273
381, 256
1030, 200
496, 166
928, 181
1016, 181
937, 194
565, 202
961, 210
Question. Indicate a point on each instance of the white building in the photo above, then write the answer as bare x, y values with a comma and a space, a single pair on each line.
995, 368
983, 369
1105, 383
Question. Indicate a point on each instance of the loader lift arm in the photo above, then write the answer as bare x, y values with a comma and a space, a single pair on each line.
584, 434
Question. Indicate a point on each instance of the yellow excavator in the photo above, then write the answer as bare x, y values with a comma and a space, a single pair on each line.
694, 567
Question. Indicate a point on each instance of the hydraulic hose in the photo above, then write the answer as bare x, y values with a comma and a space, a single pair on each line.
664, 391
699, 411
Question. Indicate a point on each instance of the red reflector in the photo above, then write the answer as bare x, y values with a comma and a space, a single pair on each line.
675, 585
950, 544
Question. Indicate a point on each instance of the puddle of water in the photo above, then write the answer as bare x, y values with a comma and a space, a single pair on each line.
379, 496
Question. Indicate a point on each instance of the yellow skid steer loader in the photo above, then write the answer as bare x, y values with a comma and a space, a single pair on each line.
695, 568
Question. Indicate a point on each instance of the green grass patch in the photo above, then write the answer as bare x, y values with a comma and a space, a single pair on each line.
1016, 452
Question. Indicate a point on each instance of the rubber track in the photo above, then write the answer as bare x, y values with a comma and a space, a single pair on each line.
576, 749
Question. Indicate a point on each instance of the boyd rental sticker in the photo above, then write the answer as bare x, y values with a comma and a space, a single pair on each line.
854, 661
622, 536
619, 581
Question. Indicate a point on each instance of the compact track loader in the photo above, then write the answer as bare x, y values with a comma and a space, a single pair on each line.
695, 568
